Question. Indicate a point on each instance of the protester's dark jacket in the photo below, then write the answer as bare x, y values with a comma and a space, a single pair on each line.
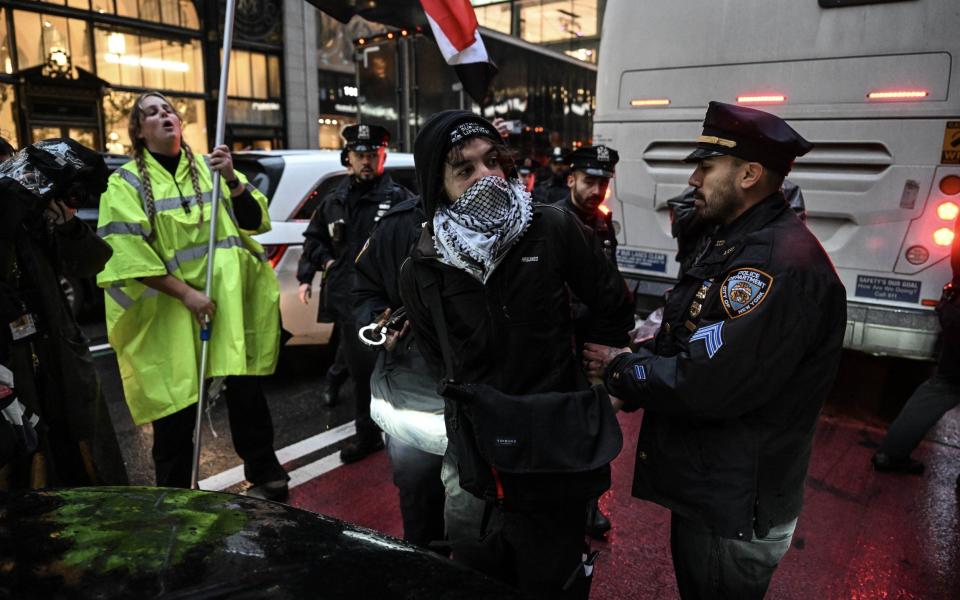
515, 332
551, 190
601, 223
338, 230
53, 369
731, 390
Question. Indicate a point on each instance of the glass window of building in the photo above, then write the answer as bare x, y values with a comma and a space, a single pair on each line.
494, 14
42, 38
8, 114
6, 58
132, 60
253, 75
117, 106
179, 13
543, 21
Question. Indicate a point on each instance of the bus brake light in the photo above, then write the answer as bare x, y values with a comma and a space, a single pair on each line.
604, 209
943, 236
948, 211
950, 185
898, 95
644, 102
762, 99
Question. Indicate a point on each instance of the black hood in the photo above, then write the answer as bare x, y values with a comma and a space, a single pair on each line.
431, 147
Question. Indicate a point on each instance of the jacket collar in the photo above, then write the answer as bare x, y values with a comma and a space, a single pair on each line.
727, 239
155, 167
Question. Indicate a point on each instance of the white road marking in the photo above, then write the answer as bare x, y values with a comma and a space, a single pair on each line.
314, 469
232, 477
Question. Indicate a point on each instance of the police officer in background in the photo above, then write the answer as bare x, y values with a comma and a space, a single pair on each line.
337, 231
591, 168
732, 385
551, 187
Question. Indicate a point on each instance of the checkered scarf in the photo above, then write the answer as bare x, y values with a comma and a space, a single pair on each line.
476, 231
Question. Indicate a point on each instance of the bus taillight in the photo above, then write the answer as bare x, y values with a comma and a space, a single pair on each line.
950, 185
897, 95
274, 252
943, 236
604, 209
762, 99
948, 211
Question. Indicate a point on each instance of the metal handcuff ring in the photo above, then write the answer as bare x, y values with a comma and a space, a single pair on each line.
380, 327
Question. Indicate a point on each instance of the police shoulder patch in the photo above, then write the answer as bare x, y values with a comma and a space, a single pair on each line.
744, 290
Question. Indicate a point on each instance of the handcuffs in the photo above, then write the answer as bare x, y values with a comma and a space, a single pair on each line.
375, 334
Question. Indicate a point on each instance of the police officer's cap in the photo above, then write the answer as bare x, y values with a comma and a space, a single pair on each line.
749, 134
600, 161
526, 166
558, 155
365, 138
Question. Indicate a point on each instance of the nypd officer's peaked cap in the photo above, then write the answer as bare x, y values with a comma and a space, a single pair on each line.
599, 161
558, 155
750, 134
365, 138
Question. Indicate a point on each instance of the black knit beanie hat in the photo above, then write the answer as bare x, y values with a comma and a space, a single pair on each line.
440, 133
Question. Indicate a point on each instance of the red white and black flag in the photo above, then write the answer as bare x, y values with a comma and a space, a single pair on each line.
454, 26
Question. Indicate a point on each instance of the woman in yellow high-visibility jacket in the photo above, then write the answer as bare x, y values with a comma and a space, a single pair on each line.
155, 215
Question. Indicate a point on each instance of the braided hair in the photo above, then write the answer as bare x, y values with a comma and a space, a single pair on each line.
139, 145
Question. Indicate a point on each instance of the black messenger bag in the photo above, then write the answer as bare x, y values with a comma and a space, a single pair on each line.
526, 449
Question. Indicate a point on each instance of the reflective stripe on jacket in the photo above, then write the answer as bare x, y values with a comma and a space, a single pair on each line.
156, 338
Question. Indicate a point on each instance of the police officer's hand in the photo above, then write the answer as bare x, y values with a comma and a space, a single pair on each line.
200, 305
596, 357
59, 213
502, 127
306, 291
617, 404
394, 336
221, 160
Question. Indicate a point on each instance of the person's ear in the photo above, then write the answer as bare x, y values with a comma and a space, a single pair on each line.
571, 180
751, 175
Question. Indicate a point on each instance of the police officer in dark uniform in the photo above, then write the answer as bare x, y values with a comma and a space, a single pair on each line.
591, 168
551, 186
732, 385
337, 231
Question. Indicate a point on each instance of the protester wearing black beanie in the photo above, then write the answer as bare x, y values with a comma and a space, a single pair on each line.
438, 135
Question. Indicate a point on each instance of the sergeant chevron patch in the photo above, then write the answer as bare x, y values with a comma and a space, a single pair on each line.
744, 290
639, 373
712, 336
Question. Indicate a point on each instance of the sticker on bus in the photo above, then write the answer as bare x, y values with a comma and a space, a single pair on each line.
641, 259
884, 288
951, 144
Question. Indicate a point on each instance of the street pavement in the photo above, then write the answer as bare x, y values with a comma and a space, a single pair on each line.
861, 535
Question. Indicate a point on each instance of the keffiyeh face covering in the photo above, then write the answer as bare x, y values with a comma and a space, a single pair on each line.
476, 231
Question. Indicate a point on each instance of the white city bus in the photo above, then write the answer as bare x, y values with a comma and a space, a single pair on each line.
874, 84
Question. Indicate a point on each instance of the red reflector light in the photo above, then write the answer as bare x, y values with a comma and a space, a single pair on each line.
642, 102
762, 99
948, 211
274, 253
917, 255
950, 185
895, 95
608, 193
604, 209
929, 302
943, 236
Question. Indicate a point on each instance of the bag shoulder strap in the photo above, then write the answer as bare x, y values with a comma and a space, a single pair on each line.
429, 281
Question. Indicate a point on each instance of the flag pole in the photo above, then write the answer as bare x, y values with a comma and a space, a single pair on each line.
206, 329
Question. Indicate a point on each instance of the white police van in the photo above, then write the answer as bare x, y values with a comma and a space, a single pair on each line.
875, 84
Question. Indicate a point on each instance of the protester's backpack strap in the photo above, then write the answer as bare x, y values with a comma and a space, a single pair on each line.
430, 285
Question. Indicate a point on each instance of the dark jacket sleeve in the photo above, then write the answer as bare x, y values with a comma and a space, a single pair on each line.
596, 282
317, 246
247, 210
730, 366
80, 251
